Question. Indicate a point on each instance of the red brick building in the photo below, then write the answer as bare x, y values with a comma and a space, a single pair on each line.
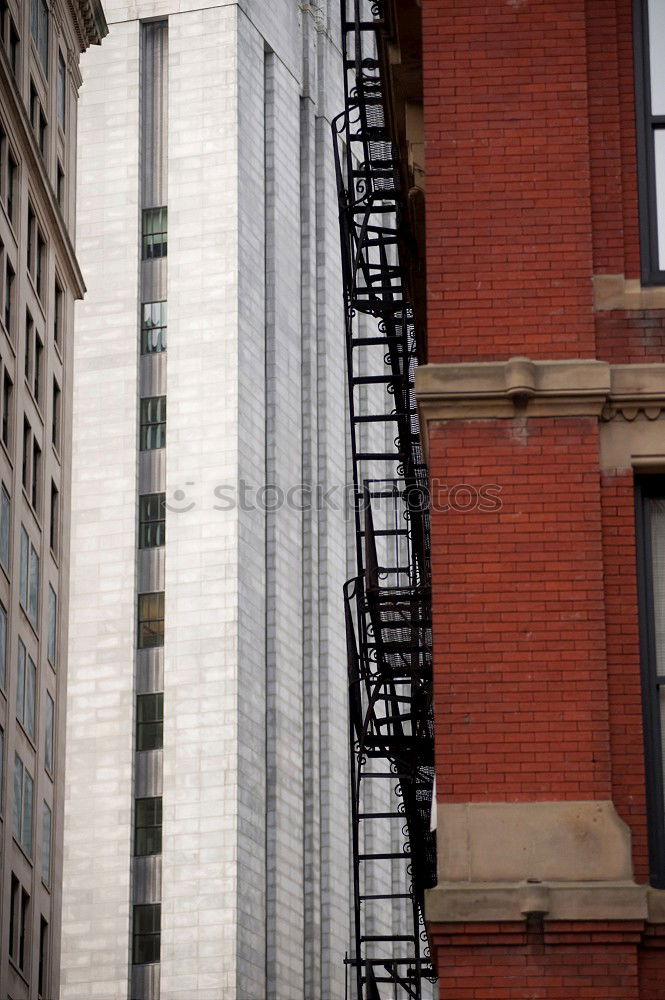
544, 173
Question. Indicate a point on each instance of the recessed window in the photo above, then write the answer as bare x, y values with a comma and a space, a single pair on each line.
154, 233
49, 730
42, 977
146, 933
2, 769
29, 578
51, 650
5, 521
58, 314
153, 327
62, 91
23, 790
26, 685
38, 119
3, 646
8, 175
19, 923
46, 844
34, 357
9, 38
7, 387
153, 423
10, 276
151, 520
60, 185
148, 827
54, 519
55, 416
39, 31
150, 721
151, 620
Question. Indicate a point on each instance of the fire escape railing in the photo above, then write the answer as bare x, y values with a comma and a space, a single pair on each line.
388, 602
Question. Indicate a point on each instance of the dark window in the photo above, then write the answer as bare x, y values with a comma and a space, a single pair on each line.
36, 475
39, 30
13, 46
153, 327
7, 387
51, 649
9, 295
650, 98
5, 519
151, 620
7, 174
23, 787
55, 416
46, 843
153, 423
42, 978
151, 520
58, 314
60, 185
154, 233
49, 733
148, 827
650, 507
62, 91
25, 468
146, 933
150, 721
3, 650
55, 518
37, 119
26, 684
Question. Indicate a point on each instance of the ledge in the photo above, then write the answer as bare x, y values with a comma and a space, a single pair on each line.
613, 291
450, 902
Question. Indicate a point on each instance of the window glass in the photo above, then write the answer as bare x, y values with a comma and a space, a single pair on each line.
153, 327
23, 577
146, 933
151, 620
62, 91
150, 721
153, 423
39, 28
48, 733
151, 520
52, 625
46, 845
5, 517
154, 233
18, 797
148, 827
3, 646
33, 596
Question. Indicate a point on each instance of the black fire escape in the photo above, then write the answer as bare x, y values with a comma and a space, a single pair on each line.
388, 602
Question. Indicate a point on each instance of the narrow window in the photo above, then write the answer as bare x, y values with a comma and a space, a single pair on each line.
151, 620
146, 933
46, 844
49, 727
29, 343
154, 233
55, 516
58, 314
148, 827
55, 417
60, 185
12, 170
52, 625
24, 930
5, 518
150, 721
3, 646
9, 296
25, 467
650, 509
33, 595
23, 567
14, 905
151, 520
41, 264
42, 978
37, 373
36, 475
153, 423
14, 46
7, 387
2, 770
39, 30
25, 690
62, 91
153, 327
23, 789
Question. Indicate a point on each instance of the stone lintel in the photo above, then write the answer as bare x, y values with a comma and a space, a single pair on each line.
614, 291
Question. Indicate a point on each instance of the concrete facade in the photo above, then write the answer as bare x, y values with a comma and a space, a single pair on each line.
40, 278
253, 875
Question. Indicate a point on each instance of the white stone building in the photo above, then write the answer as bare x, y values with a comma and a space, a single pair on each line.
206, 817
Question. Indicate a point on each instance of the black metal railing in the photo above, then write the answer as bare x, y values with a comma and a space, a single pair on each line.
388, 602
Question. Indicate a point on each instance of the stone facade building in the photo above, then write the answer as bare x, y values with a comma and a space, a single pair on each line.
40, 46
207, 836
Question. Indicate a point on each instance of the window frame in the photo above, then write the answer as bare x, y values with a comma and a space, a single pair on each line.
149, 527
646, 125
143, 628
143, 724
152, 430
648, 488
143, 831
